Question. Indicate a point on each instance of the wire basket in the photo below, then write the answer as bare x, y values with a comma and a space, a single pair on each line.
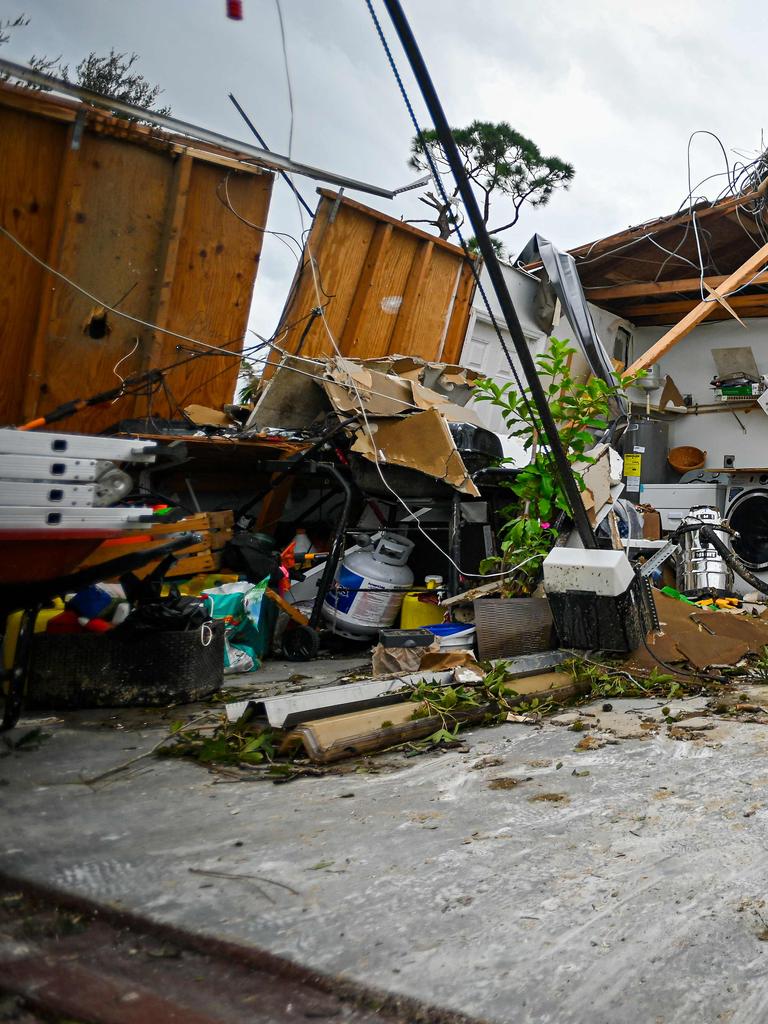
116, 669
510, 626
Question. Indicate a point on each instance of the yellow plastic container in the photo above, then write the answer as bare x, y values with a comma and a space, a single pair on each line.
419, 609
14, 623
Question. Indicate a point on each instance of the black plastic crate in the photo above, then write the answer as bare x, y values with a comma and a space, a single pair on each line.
116, 669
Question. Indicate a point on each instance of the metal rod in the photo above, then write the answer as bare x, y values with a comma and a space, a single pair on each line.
261, 142
261, 156
336, 552
495, 273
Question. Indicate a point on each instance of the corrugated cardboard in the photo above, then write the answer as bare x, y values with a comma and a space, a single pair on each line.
422, 442
651, 522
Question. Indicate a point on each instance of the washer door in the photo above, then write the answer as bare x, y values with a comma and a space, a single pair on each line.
748, 515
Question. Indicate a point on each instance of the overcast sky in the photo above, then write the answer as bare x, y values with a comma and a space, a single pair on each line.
614, 88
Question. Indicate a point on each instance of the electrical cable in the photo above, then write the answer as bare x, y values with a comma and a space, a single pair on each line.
122, 360
472, 262
679, 670
286, 65
280, 235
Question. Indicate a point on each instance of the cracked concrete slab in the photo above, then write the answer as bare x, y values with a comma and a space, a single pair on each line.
635, 897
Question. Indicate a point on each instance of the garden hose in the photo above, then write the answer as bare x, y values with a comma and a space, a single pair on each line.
731, 559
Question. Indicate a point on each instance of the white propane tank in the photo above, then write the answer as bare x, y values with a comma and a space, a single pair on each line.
369, 587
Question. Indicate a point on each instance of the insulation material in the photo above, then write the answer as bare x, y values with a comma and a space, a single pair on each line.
422, 442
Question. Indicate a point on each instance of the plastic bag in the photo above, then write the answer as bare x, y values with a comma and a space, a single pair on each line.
239, 605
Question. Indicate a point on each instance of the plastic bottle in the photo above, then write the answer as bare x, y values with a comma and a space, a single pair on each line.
422, 607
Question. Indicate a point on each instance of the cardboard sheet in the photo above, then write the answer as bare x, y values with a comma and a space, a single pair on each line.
422, 442
202, 416
685, 640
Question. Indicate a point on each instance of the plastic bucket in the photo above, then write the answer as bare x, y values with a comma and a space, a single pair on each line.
454, 636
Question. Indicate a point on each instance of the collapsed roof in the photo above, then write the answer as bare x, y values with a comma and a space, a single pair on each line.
651, 273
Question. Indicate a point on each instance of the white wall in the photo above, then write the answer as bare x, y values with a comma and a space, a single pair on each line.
483, 352
691, 366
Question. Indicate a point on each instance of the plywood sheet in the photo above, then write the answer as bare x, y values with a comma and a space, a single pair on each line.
135, 218
386, 287
110, 246
216, 268
30, 160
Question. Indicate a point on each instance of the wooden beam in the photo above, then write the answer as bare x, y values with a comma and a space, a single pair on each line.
457, 327
682, 306
603, 246
648, 288
417, 276
169, 250
701, 311
440, 243
718, 314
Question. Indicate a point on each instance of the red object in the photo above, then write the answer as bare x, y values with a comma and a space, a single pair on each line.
31, 556
67, 622
288, 556
235, 10
98, 626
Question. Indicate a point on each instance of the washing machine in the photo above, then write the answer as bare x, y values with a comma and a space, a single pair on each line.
746, 509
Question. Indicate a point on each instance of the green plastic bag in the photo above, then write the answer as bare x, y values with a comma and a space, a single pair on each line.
246, 636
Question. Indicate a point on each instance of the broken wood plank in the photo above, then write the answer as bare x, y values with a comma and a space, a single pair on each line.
647, 289
678, 306
468, 596
702, 310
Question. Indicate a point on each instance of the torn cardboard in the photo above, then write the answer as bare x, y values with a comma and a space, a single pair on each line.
421, 442
202, 416
601, 488
682, 639
391, 660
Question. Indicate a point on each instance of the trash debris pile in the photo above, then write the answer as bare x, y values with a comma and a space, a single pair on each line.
495, 539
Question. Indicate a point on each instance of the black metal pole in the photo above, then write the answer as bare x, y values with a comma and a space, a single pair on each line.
434, 106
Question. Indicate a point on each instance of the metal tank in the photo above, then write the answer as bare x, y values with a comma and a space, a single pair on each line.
701, 571
644, 447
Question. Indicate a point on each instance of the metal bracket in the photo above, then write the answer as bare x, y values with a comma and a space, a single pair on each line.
658, 558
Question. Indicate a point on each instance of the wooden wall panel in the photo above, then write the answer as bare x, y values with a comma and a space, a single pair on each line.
392, 288
30, 161
341, 265
216, 266
110, 247
133, 217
